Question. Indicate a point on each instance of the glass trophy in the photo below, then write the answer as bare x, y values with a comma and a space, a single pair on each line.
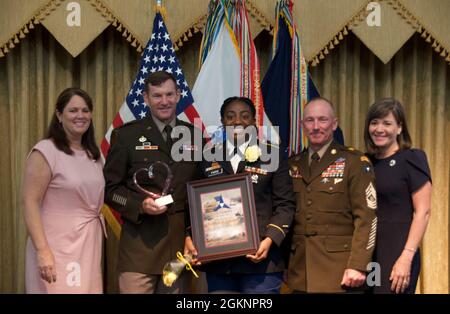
160, 199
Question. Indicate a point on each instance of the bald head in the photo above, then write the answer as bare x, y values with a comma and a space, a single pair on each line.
321, 102
319, 122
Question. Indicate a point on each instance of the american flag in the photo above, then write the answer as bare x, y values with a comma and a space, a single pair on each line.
159, 55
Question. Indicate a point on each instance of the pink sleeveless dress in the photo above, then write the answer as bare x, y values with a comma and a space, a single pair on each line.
73, 224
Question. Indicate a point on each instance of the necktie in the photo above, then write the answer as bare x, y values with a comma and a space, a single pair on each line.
168, 131
235, 159
314, 163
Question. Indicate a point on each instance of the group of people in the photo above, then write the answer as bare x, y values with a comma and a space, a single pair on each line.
325, 216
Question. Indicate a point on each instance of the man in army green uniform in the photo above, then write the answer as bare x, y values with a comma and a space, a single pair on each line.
151, 234
335, 223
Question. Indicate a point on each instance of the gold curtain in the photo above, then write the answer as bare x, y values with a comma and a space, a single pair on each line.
38, 69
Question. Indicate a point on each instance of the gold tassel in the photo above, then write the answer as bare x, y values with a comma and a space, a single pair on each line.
25, 30
124, 34
189, 34
119, 28
31, 26
424, 34
134, 43
325, 51
139, 49
321, 56
175, 47
185, 38
114, 23
331, 45
11, 44
130, 38
345, 31
1, 54
336, 40
21, 34
438, 48
447, 59
428, 40
195, 30
434, 45
180, 43
36, 22
5, 49
16, 39
443, 53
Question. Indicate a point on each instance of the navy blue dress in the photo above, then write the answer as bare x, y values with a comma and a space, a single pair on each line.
397, 178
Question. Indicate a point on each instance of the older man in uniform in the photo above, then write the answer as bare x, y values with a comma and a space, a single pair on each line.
151, 234
335, 223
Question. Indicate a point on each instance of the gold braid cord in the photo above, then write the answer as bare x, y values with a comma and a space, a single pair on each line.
120, 26
354, 21
35, 19
405, 14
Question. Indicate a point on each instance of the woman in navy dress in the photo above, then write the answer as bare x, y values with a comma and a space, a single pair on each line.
403, 184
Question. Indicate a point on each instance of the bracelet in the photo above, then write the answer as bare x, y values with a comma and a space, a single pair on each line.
410, 249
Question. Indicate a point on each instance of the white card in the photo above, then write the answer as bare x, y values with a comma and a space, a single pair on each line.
164, 200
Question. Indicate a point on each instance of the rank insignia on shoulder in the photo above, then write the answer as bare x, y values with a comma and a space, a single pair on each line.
364, 158
255, 178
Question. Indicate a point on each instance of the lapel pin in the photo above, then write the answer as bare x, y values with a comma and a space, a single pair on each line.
333, 151
392, 163
142, 139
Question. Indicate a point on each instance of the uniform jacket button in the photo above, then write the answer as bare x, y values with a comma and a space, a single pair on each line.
309, 202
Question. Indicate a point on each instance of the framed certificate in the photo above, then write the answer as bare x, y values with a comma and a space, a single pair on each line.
223, 217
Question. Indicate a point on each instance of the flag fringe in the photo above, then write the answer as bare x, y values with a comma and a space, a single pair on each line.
112, 221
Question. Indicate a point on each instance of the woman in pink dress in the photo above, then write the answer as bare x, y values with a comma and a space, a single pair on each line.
62, 196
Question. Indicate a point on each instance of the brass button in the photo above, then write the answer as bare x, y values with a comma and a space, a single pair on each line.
345, 246
331, 188
308, 189
309, 202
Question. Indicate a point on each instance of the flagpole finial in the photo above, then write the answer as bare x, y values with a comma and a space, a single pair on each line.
159, 3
